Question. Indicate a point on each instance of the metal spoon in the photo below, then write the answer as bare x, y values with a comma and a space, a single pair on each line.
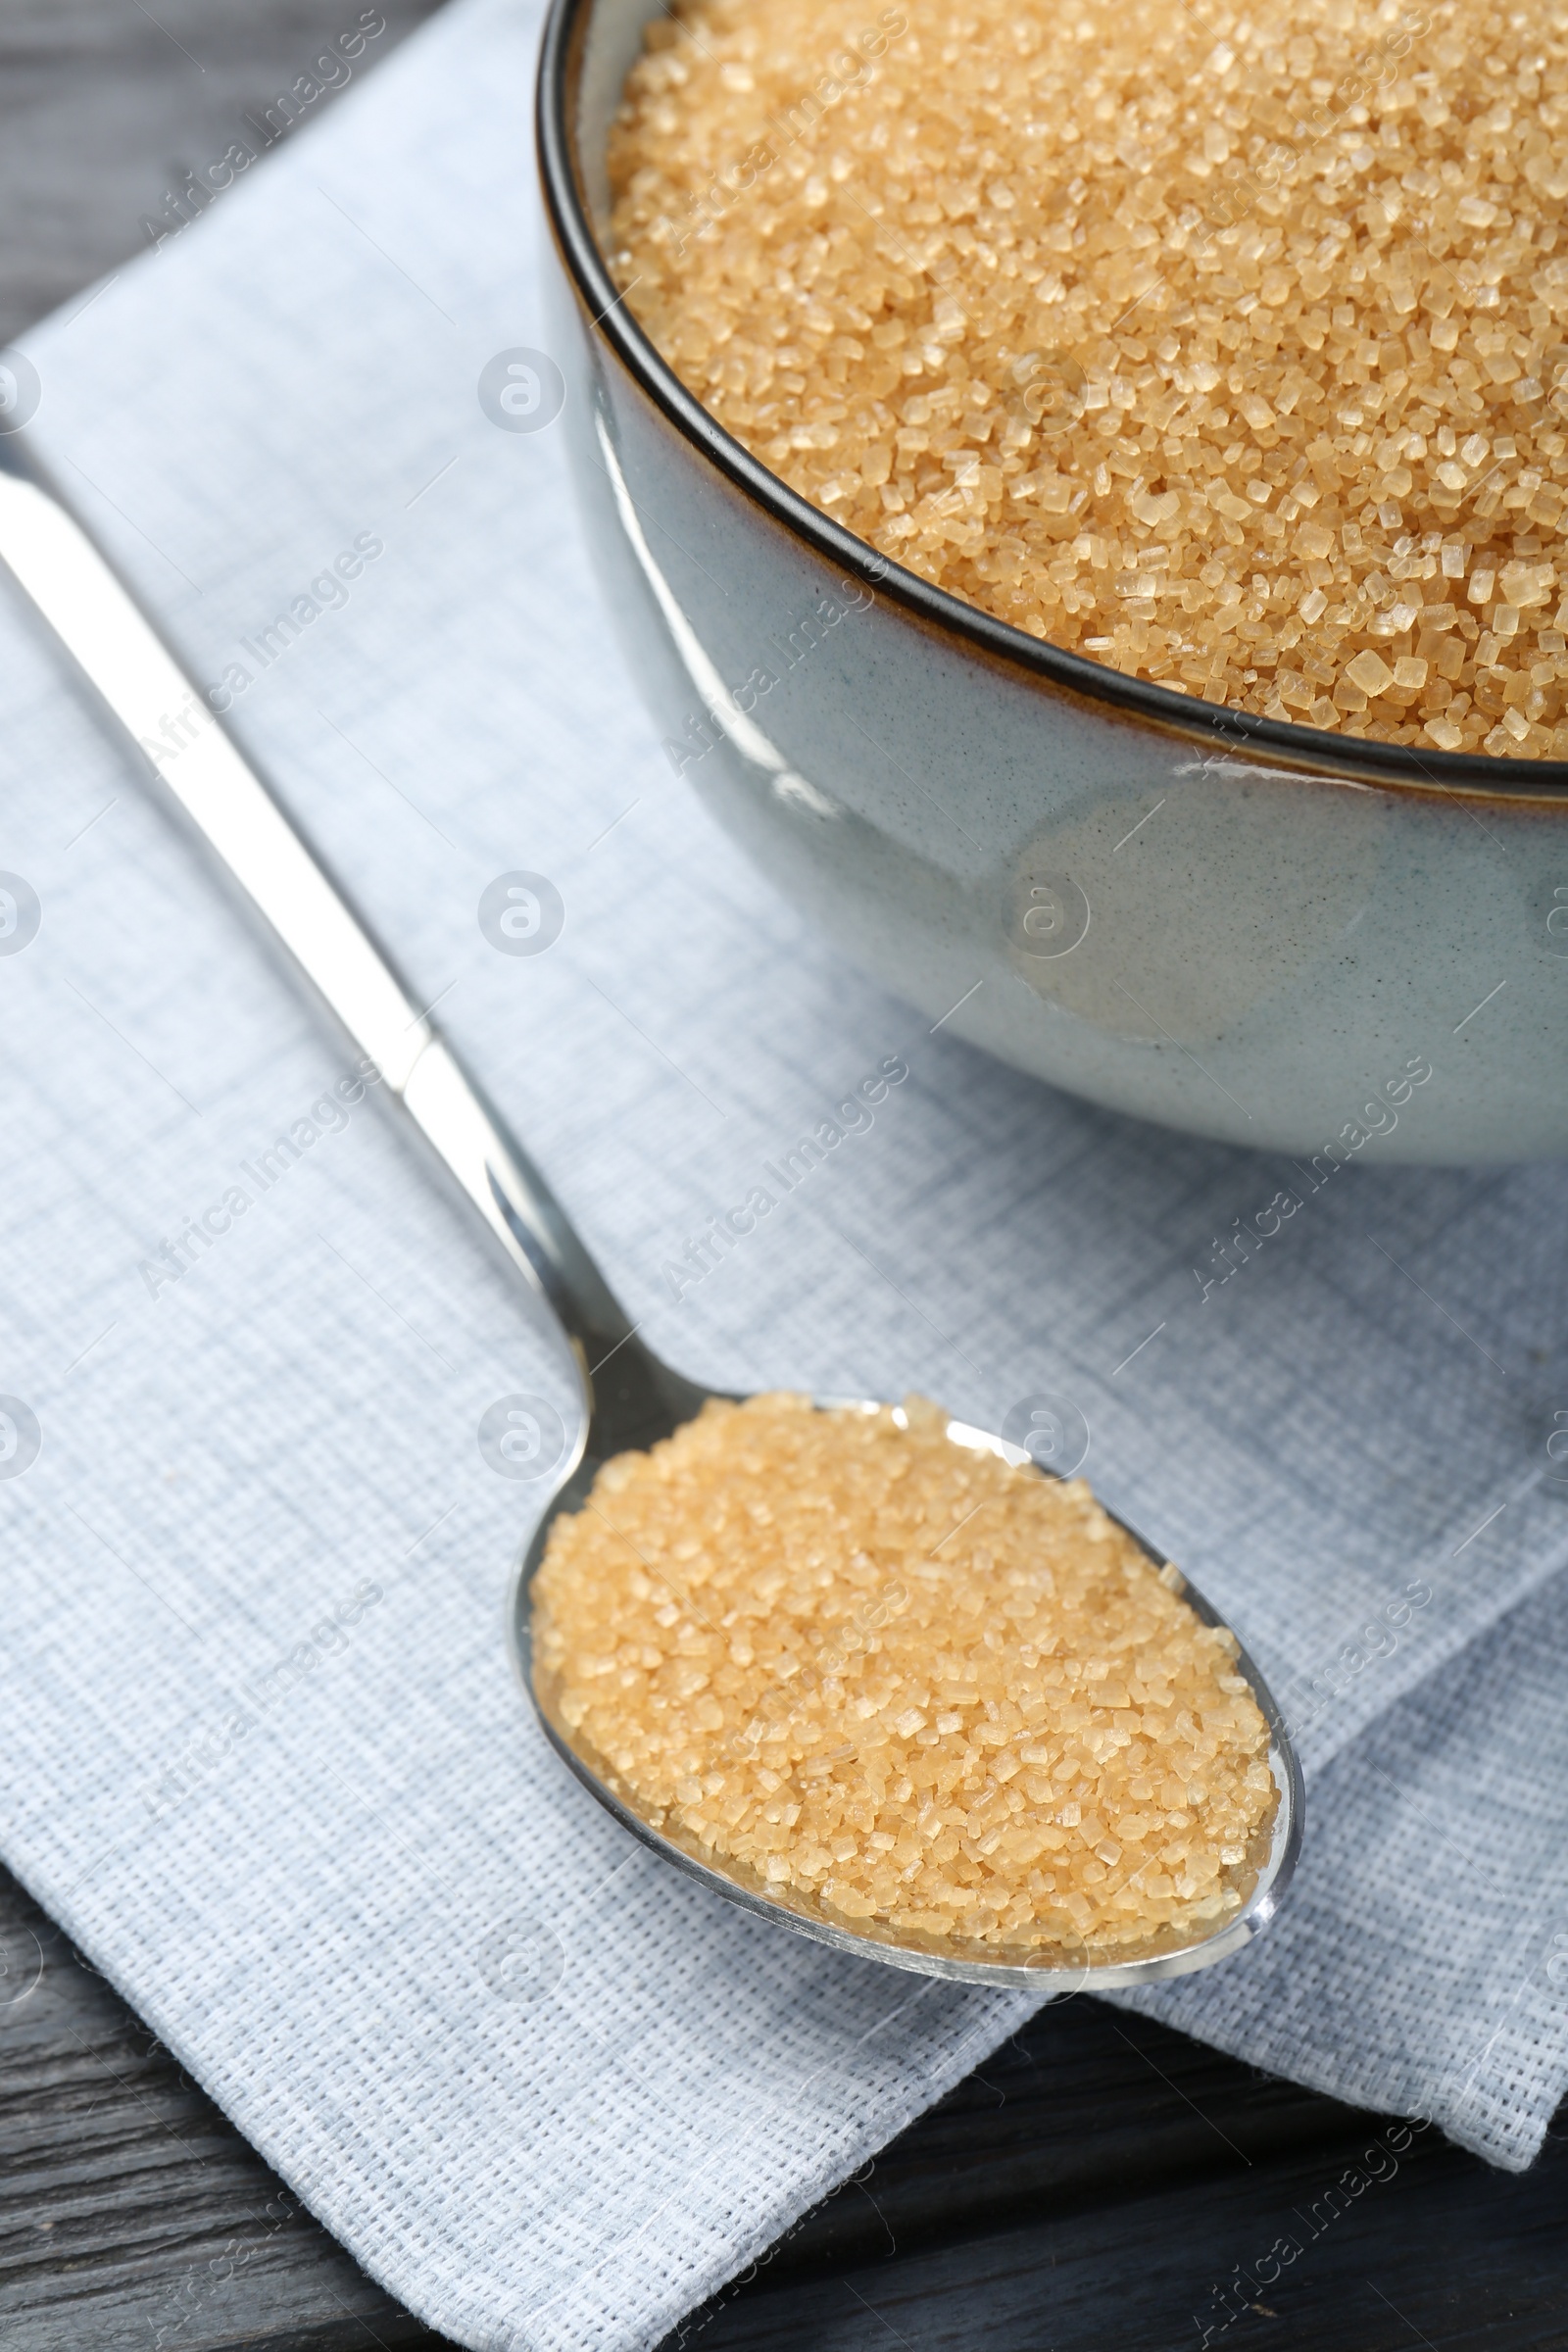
629, 1398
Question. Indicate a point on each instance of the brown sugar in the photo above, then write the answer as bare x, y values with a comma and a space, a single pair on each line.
895, 1681
1225, 346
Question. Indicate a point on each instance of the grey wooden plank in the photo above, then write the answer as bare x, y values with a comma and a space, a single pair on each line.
131, 2212
1088, 2191
1199, 2205
103, 110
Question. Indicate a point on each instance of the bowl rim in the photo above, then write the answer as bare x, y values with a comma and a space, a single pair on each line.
1357, 760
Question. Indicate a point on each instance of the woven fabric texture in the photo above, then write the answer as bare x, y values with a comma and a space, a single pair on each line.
263, 1755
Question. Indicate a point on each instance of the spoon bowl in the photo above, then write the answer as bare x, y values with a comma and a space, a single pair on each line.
927, 1955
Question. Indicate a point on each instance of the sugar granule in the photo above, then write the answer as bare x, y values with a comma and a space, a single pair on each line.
1223, 347
900, 1683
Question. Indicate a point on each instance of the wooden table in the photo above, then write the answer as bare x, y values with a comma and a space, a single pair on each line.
1088, 2192
1092, 2192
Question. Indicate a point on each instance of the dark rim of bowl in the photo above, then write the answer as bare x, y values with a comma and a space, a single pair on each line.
1238, 731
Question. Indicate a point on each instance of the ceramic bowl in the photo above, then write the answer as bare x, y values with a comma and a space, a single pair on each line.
1232, 926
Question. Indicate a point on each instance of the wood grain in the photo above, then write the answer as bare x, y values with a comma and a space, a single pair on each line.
1089, 2191
104, 107
1105, 2178
131, 2213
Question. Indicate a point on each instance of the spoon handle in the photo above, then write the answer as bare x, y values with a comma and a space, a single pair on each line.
285, 886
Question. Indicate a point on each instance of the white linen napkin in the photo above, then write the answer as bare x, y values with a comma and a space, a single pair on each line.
263, 1755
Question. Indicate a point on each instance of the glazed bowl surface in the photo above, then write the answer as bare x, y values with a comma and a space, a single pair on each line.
1228, 924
